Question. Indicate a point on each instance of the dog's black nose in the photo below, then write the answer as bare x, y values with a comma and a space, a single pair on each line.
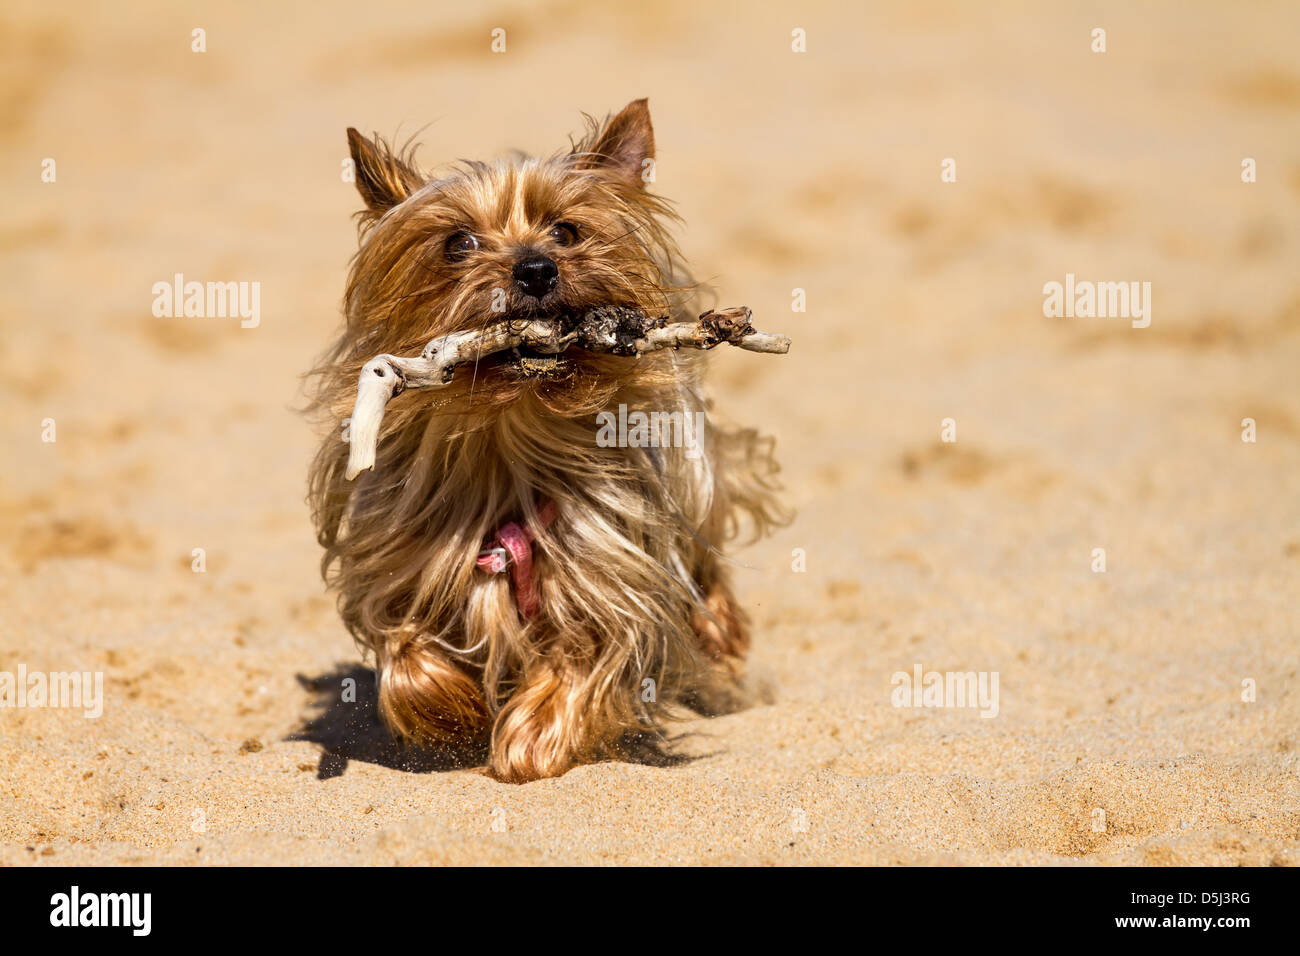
536, 275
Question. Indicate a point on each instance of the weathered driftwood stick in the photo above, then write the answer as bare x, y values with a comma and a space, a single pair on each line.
616, 330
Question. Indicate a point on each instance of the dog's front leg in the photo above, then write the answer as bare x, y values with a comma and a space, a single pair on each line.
548, 724
721, 625
427, 699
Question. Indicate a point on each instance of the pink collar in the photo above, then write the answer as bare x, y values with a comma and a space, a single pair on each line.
513, 547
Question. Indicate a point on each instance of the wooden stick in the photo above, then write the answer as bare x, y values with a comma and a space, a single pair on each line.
616, 330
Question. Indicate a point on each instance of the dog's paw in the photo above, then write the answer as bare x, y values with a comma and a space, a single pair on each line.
539, 733
722, 629
428, 700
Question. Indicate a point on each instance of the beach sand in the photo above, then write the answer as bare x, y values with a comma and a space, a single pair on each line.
1121, 736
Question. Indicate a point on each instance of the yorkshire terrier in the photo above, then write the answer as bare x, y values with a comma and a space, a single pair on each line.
624, 606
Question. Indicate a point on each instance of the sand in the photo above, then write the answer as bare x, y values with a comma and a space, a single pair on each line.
222, 738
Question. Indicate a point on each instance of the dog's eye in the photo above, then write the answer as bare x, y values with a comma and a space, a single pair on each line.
564, 234
461, 245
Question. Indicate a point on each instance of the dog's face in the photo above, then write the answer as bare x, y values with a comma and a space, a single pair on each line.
512, 239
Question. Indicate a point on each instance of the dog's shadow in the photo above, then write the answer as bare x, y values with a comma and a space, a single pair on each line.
344, 721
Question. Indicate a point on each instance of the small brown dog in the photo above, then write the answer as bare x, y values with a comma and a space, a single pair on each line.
619, 603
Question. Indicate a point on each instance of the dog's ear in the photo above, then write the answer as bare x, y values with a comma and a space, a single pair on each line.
623, 144
384, 178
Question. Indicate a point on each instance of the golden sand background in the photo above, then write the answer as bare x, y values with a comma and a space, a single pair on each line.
1119, 691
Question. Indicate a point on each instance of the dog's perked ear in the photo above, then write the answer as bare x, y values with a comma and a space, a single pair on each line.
624, 144
384, 178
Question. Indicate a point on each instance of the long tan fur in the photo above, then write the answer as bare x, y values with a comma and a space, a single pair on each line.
632, 583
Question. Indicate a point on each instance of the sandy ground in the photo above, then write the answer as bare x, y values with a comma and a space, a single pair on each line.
221, 739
